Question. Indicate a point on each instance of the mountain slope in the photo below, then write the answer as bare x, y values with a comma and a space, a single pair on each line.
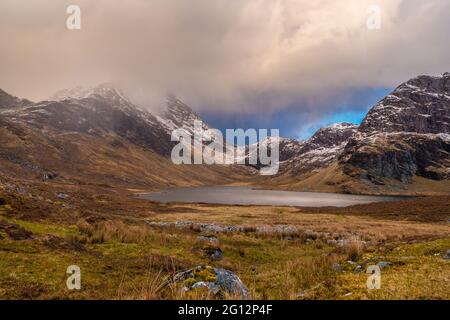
322, 149
95, 136
402, 145
419, 105
405, 135
8, 101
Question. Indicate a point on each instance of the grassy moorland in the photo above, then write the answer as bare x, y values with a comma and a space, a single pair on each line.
122, 257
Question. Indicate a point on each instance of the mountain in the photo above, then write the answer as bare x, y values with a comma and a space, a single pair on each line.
179, 115
419, 105
402, 145
96, 135
319, 151
96, 111
9, 101
404, 135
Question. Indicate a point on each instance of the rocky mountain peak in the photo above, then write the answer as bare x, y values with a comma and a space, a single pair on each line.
10, 101
332, 135
179, 115
405, 134
418, 105
105, 91
179, 110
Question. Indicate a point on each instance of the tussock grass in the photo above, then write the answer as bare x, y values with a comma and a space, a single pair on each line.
133, 260
353, 250
112, 230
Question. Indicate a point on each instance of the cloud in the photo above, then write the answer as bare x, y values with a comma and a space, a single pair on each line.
247, 56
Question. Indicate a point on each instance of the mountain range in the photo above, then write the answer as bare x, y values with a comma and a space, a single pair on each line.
96, 135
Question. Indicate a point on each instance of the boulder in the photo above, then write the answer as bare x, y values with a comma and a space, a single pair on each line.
214, 254
384, 264
62, 195
49, 176
447, 255
208, 239
218, 281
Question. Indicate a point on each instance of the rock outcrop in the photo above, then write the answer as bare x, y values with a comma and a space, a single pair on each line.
217, 281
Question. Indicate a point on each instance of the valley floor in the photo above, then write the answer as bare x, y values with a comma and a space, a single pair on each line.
127, 247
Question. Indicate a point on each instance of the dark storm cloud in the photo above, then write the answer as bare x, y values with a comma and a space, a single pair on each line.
246, 57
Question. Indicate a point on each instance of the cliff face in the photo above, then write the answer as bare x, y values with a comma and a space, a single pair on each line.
398, 156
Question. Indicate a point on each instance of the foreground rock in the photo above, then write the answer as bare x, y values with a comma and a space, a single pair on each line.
384, 264
287, 232
215, 254
217, 281
208, 239
217, 228
447, 255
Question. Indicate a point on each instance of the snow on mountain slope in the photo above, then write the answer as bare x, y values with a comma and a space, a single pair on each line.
405, 134
105, 90
322, 149
8, 101
177, 115
97, 111
419, 105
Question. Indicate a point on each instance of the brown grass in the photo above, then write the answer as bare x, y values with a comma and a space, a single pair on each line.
112, 230
353, 250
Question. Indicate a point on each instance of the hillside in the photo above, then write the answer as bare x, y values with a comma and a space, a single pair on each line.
402, 146
99, 137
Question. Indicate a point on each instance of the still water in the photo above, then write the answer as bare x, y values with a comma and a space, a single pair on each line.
249, 196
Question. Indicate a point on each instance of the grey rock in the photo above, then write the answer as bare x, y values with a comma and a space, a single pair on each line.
447, 255
211, 286
231, 283
208, 239
49, 176
398, 156
336, 267
384, 264
21, 190
359, 269
226, 281
214, 254
62, 195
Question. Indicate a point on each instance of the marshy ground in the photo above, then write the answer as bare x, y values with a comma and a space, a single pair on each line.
122, 256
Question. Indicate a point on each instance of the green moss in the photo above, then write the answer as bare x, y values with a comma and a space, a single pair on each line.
206, 274
189, 282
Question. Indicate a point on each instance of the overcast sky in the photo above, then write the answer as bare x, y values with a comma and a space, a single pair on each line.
292, 64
